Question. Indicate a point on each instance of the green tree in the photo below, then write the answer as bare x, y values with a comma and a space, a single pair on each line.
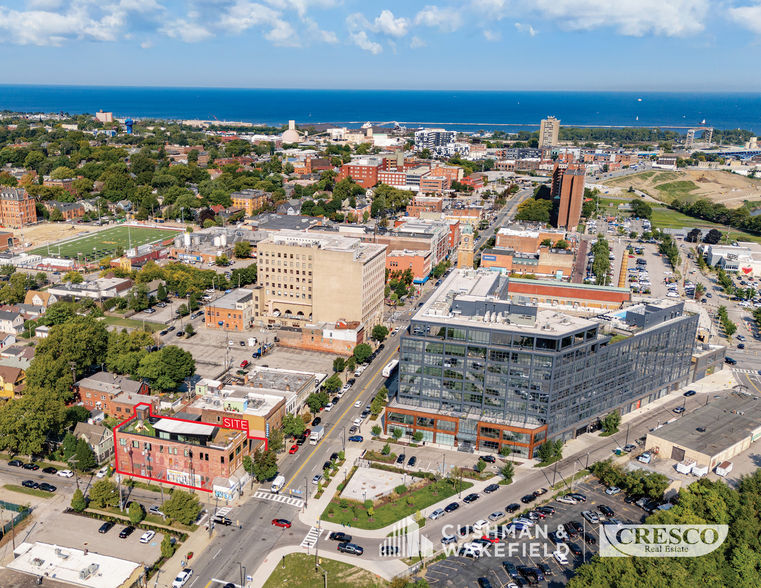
293, 426
508, 471
265, 465
85, 456
505, 451
386, 449
546, 243
222, 261
418, 436
351, 364
480, 465
167, 547
136, 513
332, 384
56, 216
397, 433
166, 368
362, 352
78, 502
611, 422
161, 294
103, 493
379, 333
73, 277
182, 507
276, 441
316, 400
339, 364
242, 250
189, 330
69, 446
376, 430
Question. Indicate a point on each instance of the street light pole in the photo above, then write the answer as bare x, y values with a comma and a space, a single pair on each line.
306, 493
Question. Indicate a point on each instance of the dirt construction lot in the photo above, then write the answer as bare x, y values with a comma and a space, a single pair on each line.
718, 186
43, 234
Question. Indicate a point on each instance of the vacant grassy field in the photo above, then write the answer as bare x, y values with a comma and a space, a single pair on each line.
103, 243
665, 218
29, 491
299, 573
134, 324
669, 191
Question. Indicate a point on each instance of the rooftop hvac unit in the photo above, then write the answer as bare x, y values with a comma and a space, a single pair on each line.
85, 573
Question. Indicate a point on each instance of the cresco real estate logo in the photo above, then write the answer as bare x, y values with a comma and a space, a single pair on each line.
660, 540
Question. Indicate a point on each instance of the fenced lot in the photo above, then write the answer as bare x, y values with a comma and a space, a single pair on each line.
104, 243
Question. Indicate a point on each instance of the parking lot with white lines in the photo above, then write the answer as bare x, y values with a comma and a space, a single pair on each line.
462, 572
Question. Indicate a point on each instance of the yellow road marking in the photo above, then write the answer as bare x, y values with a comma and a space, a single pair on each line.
351, 405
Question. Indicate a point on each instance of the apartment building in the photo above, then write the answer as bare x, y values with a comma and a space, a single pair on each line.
568, 186
233, 311
363, 171
481, 369
526, 240
98, 392
319, 277
419, 262
250, 200
17, 208
181, 451
548, 132
69, 210
65, 184
425, 204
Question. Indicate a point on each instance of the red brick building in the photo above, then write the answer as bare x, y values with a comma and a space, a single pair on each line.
568, 184
425, 204
180, 452
99, 391
363, 171
17, 208
67, 184
417, 261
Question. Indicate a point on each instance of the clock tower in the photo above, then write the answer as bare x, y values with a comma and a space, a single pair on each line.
465, 251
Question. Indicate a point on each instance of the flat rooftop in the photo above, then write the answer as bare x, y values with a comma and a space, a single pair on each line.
230, 301
469, 286
257, 401
64, 564
727, 421
327, 242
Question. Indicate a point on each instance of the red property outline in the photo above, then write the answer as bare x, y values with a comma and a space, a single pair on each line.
150, 412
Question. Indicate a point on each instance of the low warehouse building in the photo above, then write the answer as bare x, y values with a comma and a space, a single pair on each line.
712, 434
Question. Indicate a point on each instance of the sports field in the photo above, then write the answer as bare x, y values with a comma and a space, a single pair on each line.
103, 243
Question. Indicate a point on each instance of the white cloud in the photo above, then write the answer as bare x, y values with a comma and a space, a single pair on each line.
146, 44
631, 17
748, 17
387, 24
416, 43
283, 35
522, 28
318, 34
492, 8
492, 36
360, 40
301, 6
244, 15
446, 19
190, 32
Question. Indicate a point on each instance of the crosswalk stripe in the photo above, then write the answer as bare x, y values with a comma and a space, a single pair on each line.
742, 371
297, 502
312, 537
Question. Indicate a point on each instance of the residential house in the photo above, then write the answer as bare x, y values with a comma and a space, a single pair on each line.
42, 332
37, 298
7, 339
11, 381
99, 391
99, 438
11, 322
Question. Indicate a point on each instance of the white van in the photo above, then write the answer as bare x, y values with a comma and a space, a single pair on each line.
278, 484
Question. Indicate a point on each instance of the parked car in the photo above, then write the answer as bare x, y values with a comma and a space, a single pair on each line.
496, 515
591, 517
31, 466
447, 539
182, 578
400, 459
126, 532
356, 438
511, 508
294, 448
45, 487
528, 498
491, 488
439, 512
613, 490
489, 458
350, 548
606, 510
560, 557
340, 536
147, 536
30, 484
16, 463
690, 393
317, 479
548, 510
453, 506
106, 527
470, 498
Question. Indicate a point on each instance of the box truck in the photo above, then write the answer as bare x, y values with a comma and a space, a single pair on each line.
278, 484
316, 435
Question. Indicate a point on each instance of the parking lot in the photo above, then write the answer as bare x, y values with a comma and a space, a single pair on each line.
463, 572
80, 532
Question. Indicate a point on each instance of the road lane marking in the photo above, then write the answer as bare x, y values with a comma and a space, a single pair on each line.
351, 405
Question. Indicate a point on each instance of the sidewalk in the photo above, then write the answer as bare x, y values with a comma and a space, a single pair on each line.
386, 569
197, 543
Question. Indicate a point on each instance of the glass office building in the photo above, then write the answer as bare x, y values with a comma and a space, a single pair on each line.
484, 368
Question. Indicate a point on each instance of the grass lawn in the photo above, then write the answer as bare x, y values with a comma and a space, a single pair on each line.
673, 190
103, 243
665, 218
299, 572
389, 513
121, 322
29, 491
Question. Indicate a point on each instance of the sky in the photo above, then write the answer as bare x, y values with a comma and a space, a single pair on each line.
656, 45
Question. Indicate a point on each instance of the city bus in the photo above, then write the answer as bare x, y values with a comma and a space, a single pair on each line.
390, 368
